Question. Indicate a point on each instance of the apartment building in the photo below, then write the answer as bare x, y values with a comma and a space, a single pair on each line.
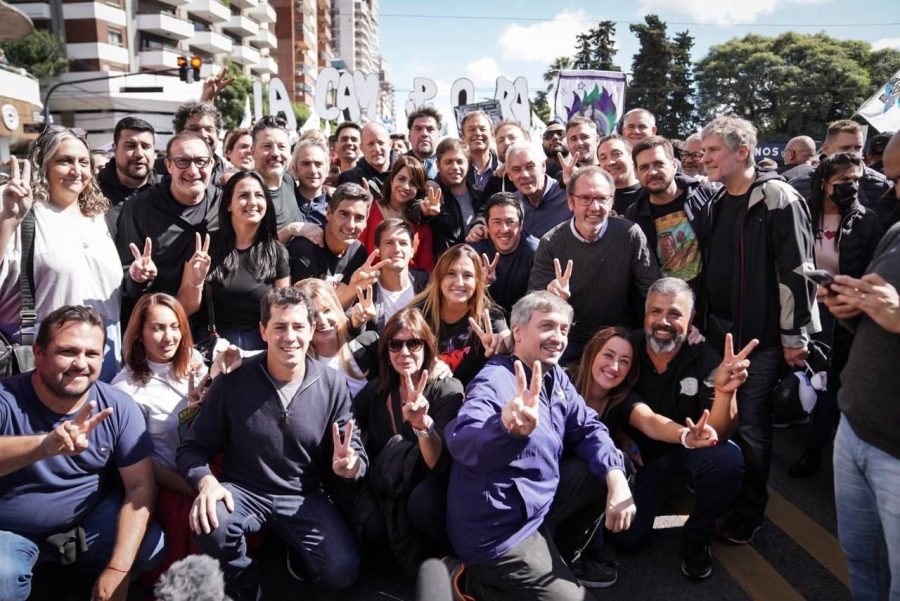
113, 37
20, 97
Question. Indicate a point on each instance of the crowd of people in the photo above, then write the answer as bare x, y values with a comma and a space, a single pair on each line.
487, 349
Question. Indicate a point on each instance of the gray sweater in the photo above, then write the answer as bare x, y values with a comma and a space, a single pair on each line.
870, 381
605, 274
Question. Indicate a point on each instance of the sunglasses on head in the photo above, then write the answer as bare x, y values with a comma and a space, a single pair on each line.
56, 127
395, 345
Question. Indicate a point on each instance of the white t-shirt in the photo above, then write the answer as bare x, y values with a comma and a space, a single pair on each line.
75, 263
161, 399
353, 383
390, 302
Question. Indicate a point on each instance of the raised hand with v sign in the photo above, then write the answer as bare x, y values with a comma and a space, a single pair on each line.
17, 198
142, 269
733, 370
431, 204
560, 285
568, 164
520, 415
364, 310
368, 272
72, 436
489, 268
415, 405
345, 459
199, 262
701, 434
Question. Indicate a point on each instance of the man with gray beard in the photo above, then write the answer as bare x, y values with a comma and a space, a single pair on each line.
679, 419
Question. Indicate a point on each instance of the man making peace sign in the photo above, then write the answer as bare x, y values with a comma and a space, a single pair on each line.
61, 432
520, 413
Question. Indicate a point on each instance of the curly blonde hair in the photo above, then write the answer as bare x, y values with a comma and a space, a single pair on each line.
91, 201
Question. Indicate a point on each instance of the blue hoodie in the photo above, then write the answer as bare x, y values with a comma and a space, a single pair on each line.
502, 485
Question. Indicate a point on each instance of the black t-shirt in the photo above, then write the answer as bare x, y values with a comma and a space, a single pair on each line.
461, 349
284, 199
236, 300
720, 264
625, 197
309, 260
676, 245
684, 390
513, 270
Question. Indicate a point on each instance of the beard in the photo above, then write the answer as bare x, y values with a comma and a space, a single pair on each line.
662, 346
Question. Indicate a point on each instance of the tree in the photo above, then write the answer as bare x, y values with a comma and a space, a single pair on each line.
541, 107
680, 120
233, 99
301, 113
560, 63
650, 86
604, 47
792, 84
40, 53
583, 51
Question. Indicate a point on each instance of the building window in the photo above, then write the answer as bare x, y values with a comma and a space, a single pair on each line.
114, 37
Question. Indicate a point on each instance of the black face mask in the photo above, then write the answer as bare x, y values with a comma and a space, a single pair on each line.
844, 194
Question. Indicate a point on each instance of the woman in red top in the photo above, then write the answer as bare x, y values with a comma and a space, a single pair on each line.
404, 185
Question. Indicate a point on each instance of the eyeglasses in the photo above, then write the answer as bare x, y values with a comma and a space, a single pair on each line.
586, 201
696, 156
554, 134
395, 345
185, 162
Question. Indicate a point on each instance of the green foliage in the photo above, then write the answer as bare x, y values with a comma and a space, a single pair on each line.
596, 48
792, 84
541, 106
41, 53
232, 100
301, 112
650, 86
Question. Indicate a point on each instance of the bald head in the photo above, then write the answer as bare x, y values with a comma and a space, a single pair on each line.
891, 159
376, 146
799, 150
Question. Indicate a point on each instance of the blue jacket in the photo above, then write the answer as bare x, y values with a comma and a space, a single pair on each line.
502, 485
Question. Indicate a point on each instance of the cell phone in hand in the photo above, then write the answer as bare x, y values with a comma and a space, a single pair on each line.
822, 277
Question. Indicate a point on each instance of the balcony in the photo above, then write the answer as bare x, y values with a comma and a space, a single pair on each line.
174, 3
241, 26
264, 39
212, 42
245, 55
264, 12
266, 65
245, 3
165, 25
97, 51
158, 59
209, 10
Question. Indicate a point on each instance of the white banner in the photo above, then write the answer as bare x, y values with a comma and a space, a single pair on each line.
883, 109
599, 95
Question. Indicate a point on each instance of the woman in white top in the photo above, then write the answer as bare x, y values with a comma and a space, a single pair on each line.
75, 258
162, 371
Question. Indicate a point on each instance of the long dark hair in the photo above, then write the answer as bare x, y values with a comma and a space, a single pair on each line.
827, 167
416, 176
411, 319
133, 346
266, 249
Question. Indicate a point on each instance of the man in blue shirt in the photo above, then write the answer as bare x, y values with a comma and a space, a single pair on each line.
61, 432
507, 443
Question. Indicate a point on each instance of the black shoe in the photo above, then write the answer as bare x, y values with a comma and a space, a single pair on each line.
697, 562
457, 571
593, 573
807, 465
739, 533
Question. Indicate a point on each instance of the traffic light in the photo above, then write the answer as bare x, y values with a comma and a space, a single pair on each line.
182, 68
196, 61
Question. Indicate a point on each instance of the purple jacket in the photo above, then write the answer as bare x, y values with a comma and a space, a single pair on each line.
501, 485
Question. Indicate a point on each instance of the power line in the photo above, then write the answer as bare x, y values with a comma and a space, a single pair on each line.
674, 23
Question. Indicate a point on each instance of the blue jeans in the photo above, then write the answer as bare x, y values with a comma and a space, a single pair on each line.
716, 475
754, 434
867, 495
309, 524
19, 554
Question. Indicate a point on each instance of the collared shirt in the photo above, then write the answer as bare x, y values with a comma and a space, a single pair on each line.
582, 238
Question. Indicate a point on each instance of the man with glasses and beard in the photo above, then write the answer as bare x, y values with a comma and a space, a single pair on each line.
683, 412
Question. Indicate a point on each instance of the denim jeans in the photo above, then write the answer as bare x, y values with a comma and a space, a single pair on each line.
867, 495
308, 524
19, 554
754, 434
715, 474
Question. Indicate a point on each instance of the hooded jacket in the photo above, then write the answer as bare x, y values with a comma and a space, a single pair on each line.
773, 238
